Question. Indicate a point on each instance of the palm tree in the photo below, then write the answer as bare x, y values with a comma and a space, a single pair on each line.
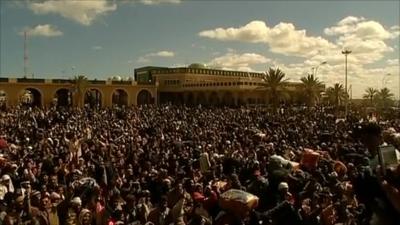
370, 94
336, 94
384, 97
275, 83
81, 82
312, 88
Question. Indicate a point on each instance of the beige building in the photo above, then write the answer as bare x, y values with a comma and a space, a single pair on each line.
44, 93
192, 85
197, 84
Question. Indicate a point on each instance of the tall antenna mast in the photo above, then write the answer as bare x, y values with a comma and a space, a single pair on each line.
25, 55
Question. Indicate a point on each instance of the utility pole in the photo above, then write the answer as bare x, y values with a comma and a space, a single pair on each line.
398, 105
25, 55
351, 92
346, 53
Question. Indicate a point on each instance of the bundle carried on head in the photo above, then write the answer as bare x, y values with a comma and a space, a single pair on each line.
310, 159
238, 202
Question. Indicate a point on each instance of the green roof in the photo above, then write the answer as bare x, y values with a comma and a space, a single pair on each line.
198, 66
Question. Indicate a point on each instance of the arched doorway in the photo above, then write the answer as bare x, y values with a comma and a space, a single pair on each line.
63, 97
213, 99
201, 99
120, 97
3, 99
251, 101
93, 98
31, 97
228, 99
189, 99
144, 97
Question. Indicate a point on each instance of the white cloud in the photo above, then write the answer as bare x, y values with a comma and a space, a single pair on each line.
45, 30
282, 38
97, 47
362, 28
254, 32
143, 59
359, 77
202, 47
366, 38
395, 31
233, 61
162, 54
83, 12
392, 62
156, 2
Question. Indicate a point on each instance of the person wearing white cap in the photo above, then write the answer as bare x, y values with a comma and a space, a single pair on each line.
6, 186
76, 201
283, 186
74, 211
85, 217
284, 194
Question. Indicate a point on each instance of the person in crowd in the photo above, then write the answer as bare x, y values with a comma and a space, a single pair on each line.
171, 164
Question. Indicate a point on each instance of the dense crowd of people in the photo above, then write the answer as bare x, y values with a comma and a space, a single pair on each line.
169, 164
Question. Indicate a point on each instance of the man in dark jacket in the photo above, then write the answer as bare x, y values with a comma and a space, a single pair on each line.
367, 186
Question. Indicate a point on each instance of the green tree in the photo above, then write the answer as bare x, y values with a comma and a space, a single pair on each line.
370, 94
384, 98
81, 82
312, 89
275, 85
336, 94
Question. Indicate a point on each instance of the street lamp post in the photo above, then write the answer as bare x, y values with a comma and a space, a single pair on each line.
317, 67
346, 53
315, 70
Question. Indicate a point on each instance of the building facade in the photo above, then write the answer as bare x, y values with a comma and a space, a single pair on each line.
62, 92
192, 85
197, 84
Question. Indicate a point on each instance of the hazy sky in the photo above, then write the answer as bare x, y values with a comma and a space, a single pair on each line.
102, 38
